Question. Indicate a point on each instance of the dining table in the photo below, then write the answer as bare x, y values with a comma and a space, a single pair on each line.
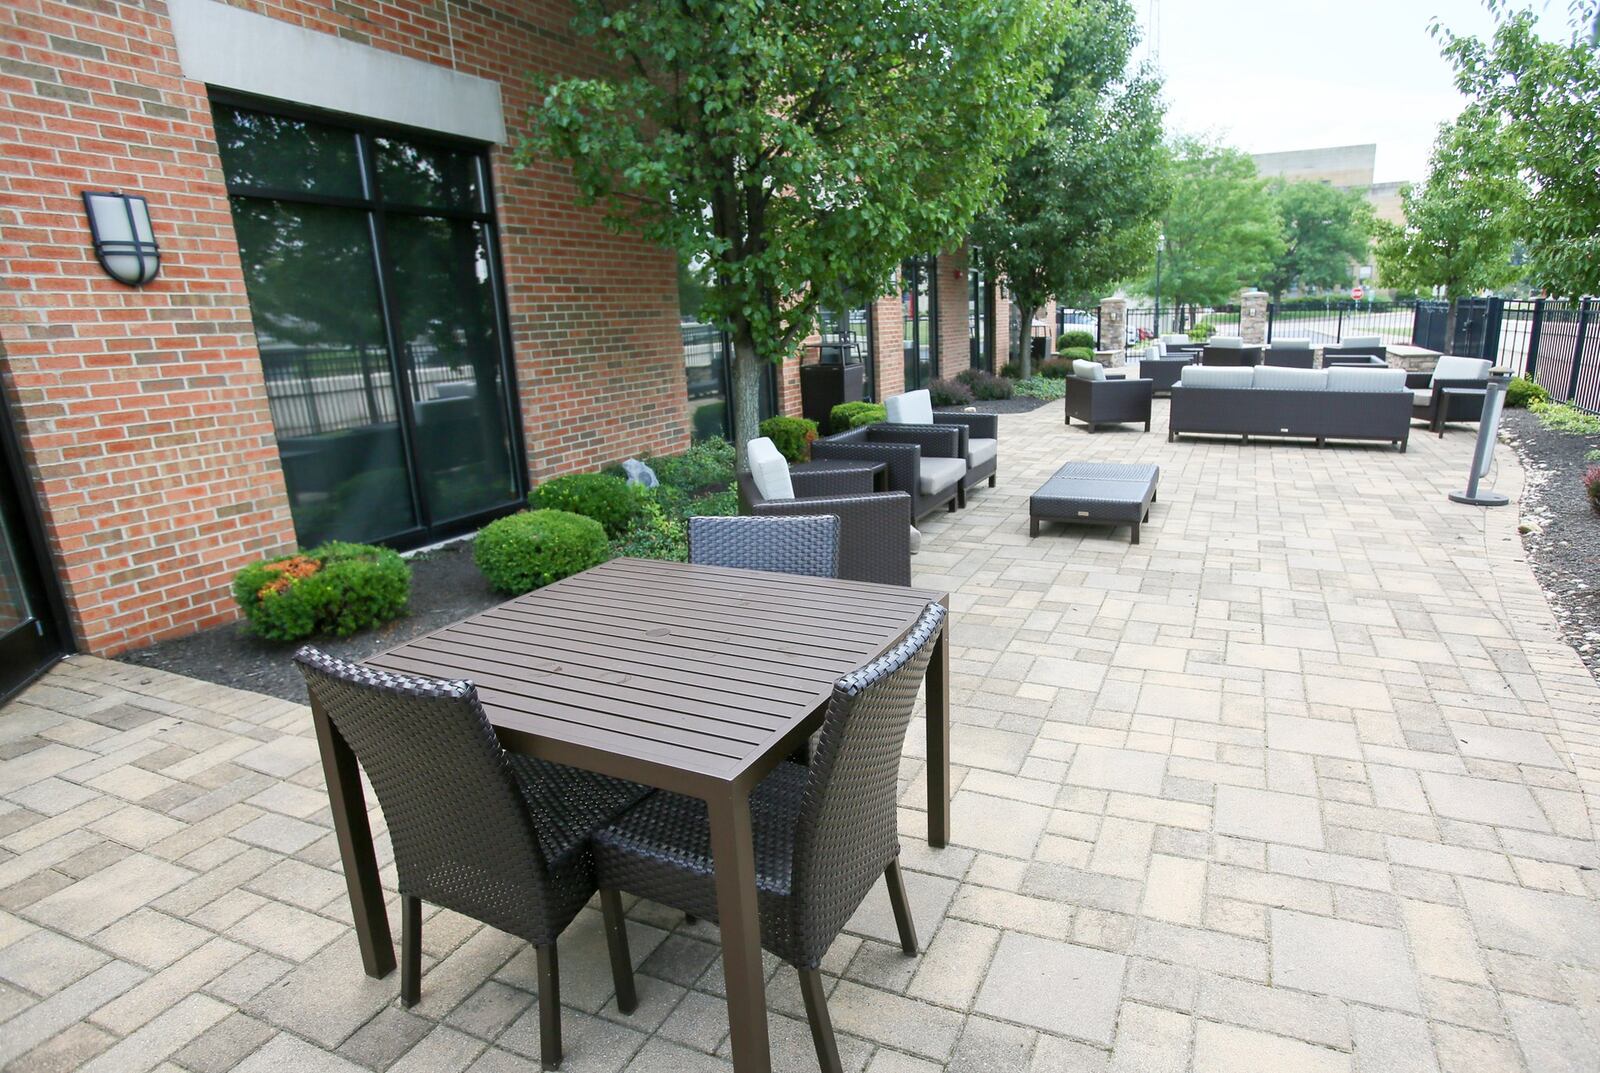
693, 679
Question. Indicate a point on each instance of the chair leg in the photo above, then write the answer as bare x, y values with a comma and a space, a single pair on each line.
821, 1026
991, 480
617, 947
902, 907
549, 1007
410, 950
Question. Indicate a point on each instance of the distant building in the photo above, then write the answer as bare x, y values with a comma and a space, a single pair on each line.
1349, 167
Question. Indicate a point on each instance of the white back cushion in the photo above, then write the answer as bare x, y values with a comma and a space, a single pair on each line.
1451, 367
1216, 376
1291, 344
1226, 342
769, 470
912, 408
1362, 340
1175, 340
1356, 378
1153, 353
1276, 378
1088, 370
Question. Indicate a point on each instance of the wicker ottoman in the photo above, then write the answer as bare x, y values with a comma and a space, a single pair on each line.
1095, 493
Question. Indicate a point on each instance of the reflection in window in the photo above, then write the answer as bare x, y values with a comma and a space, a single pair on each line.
917, 306
269, 152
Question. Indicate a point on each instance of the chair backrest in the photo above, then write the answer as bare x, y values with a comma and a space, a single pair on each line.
462, 833
1361, 340
1225, 342
791, 544
1451, 367
912, 408
769, 470
1088, 370
845, 835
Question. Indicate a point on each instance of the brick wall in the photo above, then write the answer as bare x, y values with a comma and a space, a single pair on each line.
954, 332
143, 414
888, 345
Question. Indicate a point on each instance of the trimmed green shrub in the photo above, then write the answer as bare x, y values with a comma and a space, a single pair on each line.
710, 420
1042, 387
1076, 340
792, 436
654, 534
986, 387
704, 464
1521, 391
531, 549
1199, 333
950, 393
848, 415
1055, 369
1011, 370
336, 588
1077, 353
1561, 417
608, 500
1591, 485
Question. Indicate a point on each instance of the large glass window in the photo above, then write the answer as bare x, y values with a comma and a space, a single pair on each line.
918, 306
373, 278
980, 315
848, 333
708, 364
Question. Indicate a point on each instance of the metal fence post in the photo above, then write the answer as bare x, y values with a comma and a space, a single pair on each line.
1272, 313
1491, 330
1338, 330
1533, 338
1577, 350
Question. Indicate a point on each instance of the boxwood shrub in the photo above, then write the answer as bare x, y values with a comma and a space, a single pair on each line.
1076, 353
531, 549
605, 498
848, 415
792, 436
335, 588
1075, 340
1523, 390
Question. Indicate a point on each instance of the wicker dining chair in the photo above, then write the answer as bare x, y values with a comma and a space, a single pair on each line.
805, 544
823, 834
498, 837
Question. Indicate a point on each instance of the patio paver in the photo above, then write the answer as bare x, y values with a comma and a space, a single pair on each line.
1305, 780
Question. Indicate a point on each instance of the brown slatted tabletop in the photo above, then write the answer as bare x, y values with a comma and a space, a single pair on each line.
696, 679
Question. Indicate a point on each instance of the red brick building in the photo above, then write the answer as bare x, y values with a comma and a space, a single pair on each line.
368, 324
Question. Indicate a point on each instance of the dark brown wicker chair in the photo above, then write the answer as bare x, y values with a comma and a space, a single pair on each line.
498, 837
823, 834
874, 527
904, 448
805, 544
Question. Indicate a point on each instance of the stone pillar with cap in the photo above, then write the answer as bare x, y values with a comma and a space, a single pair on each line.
1114, 328
1253, 317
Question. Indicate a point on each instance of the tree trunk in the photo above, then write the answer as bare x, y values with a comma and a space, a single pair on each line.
1025, 327
746, 403
1452, 313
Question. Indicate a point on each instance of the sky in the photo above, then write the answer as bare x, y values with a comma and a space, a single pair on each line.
1274, 75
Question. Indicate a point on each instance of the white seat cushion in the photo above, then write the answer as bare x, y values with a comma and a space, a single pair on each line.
1362, 340
1217, 376
916, 540
1088, 370
769, 470
938, 474
981, 451
1355, 378
1291, 344
1175, 340
1278, 378
1422, 395
1226, 342
1451, 367
912, 408
1154, 353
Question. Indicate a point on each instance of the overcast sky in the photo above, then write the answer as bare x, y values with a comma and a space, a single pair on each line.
1271, 75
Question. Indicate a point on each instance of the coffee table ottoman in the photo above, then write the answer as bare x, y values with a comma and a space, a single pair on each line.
1095, 493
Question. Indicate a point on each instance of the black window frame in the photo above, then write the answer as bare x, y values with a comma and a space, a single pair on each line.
366, 131
921, 267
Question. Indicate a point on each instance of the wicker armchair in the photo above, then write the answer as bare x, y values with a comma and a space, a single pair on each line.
875, 533
1432, 405
494, 836
1229, 351
980, 433
1095, 401
924, 461
823, 834
804, 544
1290, 354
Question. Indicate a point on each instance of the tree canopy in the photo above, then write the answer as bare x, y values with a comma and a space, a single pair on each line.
798, 148
1222, 228
1080, 204
1326, 231
1548, 93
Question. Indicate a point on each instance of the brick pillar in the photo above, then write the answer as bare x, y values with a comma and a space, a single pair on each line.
1253, 317
888, 346
1114, 328
955, 337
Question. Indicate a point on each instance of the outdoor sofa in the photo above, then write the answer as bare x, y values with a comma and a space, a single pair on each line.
1229, 350
1430, 401
1358, 344
876, 537
926, 462
1290, 354
1315, 404
1096, 400
980, 433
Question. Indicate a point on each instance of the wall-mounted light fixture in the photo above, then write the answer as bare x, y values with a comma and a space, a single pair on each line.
124, 241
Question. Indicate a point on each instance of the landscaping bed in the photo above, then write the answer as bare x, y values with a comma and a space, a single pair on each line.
1018, 405
1561, 531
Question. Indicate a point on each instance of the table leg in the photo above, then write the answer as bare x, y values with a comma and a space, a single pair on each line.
354, 833
733, 856
938, 720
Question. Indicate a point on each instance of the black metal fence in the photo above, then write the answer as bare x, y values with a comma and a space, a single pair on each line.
1329, 320
1563, 350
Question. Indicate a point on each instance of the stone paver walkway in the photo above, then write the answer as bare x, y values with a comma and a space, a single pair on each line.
1304, 782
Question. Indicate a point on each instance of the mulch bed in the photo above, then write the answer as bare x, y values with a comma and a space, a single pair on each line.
445, 587
1000, 406
1561, 530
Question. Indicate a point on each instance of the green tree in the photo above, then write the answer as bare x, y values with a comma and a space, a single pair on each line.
1461, 223
1222, 227
1082, 201
1326, 231
800, 149
1548, 93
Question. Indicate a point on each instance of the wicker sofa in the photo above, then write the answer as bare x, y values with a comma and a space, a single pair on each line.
876, 537
1315, 404
1229, 350
924, 461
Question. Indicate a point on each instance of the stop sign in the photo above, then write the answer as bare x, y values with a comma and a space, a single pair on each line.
1356, 293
